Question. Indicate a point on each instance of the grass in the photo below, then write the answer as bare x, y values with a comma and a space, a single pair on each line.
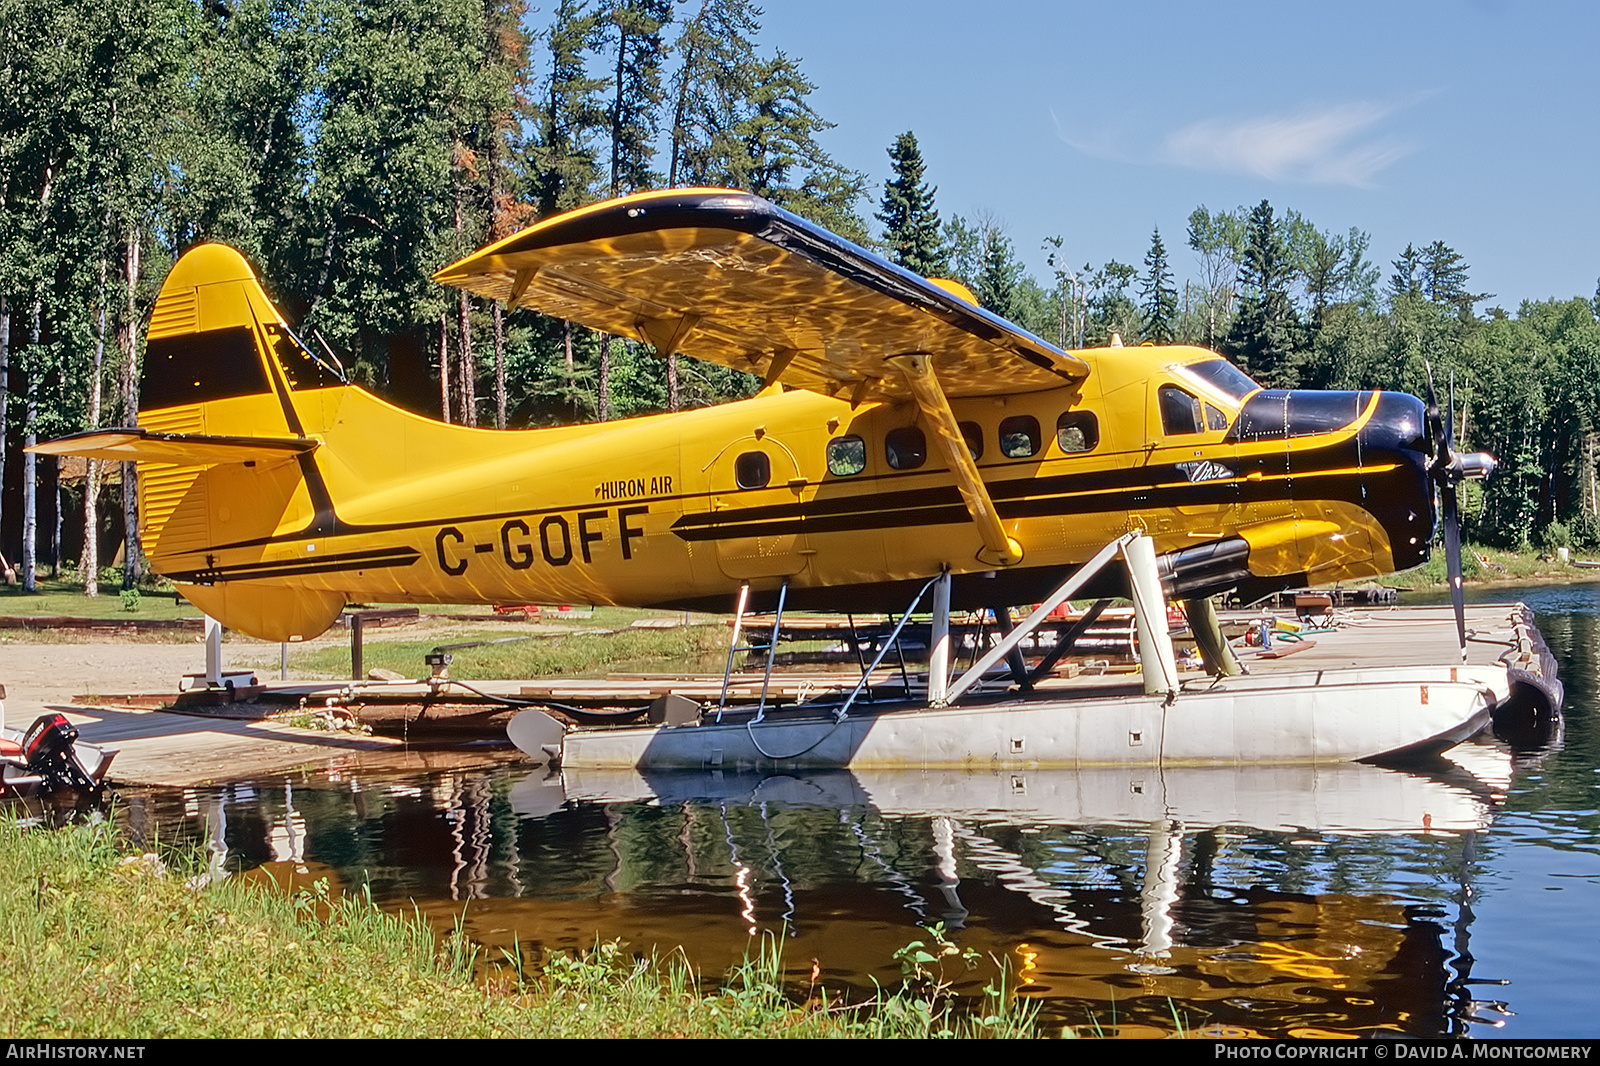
98, 942
65, 597
1480, 565
691, 649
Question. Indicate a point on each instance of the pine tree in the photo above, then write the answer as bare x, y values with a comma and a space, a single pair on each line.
563, 167
910, 221
1160, 297
1444, 279
1266, 333
999, 274
1404, 279
716, 51
635, 27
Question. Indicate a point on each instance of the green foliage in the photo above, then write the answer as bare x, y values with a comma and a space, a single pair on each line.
999, 273
1160, 298
130, 599
1111, 311
1218, 240
700, 648
1267, 332
910, 221
352, 147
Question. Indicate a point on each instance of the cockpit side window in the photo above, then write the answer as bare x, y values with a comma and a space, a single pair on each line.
1180, 413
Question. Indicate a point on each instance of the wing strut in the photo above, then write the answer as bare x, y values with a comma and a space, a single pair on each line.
917, 368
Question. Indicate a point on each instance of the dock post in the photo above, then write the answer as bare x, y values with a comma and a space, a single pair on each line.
939, 644
356, 665
213, 652
1159, 664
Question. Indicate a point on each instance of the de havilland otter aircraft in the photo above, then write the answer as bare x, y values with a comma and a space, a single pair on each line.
903, 431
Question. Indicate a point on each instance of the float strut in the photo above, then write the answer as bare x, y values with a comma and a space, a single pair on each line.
772, 649
733, 647
1215, 651
1156, 660
939, 643
1019, 668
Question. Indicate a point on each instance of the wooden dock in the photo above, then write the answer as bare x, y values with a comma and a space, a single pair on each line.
237, 741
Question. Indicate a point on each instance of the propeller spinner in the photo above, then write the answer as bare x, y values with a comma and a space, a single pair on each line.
1448, 470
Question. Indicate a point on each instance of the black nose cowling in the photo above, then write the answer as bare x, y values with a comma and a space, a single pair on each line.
1397, 433
1383, 468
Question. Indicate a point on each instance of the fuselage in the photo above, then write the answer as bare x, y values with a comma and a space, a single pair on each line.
843, 504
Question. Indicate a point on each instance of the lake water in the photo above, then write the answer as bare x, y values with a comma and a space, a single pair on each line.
1461, 899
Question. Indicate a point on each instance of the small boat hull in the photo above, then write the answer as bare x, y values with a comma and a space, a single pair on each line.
48, 757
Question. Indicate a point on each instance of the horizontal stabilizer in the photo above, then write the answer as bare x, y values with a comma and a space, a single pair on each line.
183, 449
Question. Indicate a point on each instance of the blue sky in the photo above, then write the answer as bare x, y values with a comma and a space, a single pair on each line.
1471, 122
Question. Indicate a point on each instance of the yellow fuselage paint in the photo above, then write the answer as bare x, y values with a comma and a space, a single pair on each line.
586, 514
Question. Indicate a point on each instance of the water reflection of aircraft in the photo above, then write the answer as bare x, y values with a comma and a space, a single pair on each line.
1164, 925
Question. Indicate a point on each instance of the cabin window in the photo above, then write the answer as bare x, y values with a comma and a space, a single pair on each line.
1078, 431
752, 470
1215, 419
972, 433
1019, 437
906, 448
1180, 412
847, 456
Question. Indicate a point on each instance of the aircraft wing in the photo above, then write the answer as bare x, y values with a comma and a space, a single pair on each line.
727, 277
183, 449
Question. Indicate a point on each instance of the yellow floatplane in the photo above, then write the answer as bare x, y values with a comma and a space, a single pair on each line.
909, 447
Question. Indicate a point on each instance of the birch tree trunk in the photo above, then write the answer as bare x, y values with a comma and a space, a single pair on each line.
499, 367
30, 462
90, 563
444, 369
469, 399
128, 344
5, 396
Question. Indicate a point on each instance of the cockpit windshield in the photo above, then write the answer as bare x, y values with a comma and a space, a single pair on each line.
1222, 376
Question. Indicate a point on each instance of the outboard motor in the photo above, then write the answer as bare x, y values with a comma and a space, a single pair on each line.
48, 747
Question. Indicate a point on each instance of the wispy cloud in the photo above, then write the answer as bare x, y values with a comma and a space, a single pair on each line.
1331, 146
1338, 145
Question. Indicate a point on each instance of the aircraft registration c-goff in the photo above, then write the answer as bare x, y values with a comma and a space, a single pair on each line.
902, 431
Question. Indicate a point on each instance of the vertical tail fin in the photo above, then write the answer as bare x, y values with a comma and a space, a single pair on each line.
221, 362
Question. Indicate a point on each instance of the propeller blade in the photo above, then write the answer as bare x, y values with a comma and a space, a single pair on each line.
1452, 558
1438, 441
